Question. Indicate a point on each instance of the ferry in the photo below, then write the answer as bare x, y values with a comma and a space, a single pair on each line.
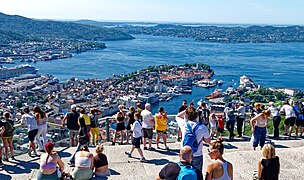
16, 71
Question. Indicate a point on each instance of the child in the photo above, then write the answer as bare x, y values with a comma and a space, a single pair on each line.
220, 126
137, 133
212, 122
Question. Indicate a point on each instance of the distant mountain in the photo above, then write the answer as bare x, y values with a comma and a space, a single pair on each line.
54, 29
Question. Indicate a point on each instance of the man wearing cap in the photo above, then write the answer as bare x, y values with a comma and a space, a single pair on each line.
72, 125
240, 118
147, 126
276, 119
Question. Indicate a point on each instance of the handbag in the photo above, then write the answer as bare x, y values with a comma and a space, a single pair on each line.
83, 139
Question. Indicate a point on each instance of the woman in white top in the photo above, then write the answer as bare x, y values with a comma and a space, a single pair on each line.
258, 128
84, 164
220, 169
41, 119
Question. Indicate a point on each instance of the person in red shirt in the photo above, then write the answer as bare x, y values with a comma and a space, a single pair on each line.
220, 125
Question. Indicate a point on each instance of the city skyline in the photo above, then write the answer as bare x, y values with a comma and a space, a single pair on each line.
194, 11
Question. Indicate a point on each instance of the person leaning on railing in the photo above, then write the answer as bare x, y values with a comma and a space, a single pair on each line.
71, 120
7, 136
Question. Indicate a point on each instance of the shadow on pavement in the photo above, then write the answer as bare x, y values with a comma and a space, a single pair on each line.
20, 167
158, 161
5, 177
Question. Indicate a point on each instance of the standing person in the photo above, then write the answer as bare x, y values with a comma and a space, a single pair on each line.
220, 168
2, 129
28, 119
213, 125
240, 118
137, 134
94, 115
230, 119
49, 162
130, 117
71, 119
203, 113
161, 119
258, 128
187, 121
139, 109
41, 119
276, 119
120, 127
182, 108
220, 125
299, 118
147, 126
7, 136
87, 120
101, 164
83, 139
269, 166
182, 169
290, 117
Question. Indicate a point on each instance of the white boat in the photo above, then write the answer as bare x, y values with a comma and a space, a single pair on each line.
16, 71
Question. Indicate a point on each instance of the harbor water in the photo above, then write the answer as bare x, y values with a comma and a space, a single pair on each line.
268, 64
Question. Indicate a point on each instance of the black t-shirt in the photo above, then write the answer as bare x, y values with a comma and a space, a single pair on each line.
100, 160
204, 114
171, 172
182, 108
72, 120
131, 118
270, 170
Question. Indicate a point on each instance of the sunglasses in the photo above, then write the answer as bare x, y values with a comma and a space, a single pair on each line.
211, 150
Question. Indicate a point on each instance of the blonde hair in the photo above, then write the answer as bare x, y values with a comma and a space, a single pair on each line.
99, 149
266, 113
268, 151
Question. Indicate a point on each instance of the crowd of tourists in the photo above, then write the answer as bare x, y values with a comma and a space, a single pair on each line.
196, 125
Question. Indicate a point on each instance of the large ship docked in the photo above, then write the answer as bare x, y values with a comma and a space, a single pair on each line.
16, 71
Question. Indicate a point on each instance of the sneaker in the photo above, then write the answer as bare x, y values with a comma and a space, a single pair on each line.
29, 153
113, 143
5, 159
151, 148
13, 158
143, 159
121, 143
129, 154
145, 148
179, 139
37, 155
167, 148
158, 147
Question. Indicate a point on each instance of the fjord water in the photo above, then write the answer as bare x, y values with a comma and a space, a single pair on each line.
268, 64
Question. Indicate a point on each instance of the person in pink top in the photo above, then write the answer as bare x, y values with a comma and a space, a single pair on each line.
258, 128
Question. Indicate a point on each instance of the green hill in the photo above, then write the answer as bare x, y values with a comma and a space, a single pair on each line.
54, 29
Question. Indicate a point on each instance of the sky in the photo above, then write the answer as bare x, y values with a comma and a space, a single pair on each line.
195, 11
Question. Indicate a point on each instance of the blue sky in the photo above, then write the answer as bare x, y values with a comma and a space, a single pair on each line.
204, 11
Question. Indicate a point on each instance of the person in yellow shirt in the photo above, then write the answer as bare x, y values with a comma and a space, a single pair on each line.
161, 119
87, 120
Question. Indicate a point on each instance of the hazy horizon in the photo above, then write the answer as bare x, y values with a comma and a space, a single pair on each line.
271, 12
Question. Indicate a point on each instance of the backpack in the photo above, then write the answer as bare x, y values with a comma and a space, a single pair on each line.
190, 138
187, 172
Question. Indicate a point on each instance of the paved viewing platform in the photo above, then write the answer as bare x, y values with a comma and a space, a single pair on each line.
239, 153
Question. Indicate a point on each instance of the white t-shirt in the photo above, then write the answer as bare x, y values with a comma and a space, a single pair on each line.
146, 119
201, 132
289, 112
30, 121
136, 128
241, 111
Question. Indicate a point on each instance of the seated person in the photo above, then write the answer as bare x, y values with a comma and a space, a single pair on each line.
49, 162
269, 166
84, 164
182, 169
220, 168
101, 163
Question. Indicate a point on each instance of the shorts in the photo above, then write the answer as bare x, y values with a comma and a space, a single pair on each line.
300, 123
164, 131
73, 133
32, 134
120, 126
213, 128
148, 133
5, 139
136, 142
220, 130
290, 121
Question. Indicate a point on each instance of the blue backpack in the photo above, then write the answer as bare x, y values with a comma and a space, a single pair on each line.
187, 172
190, 138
